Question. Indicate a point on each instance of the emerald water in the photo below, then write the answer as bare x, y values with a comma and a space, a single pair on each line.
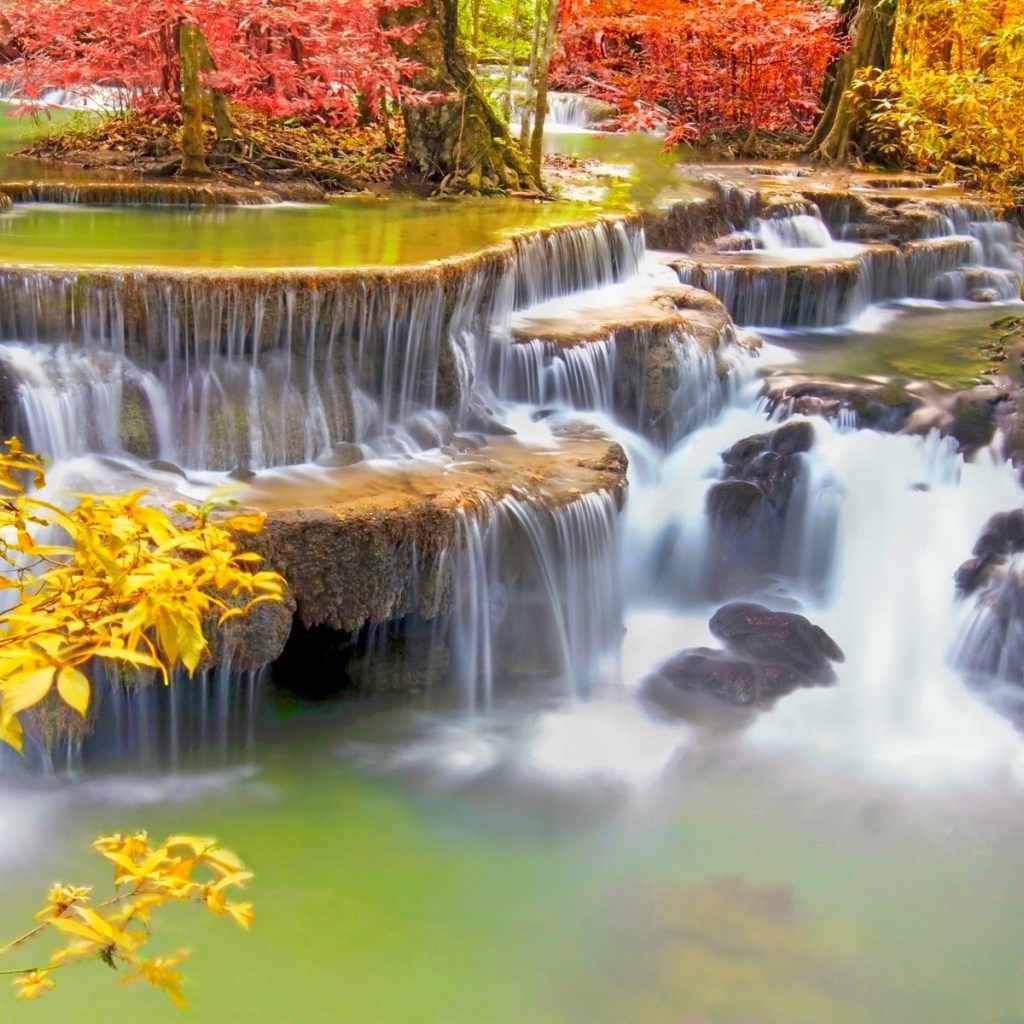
949, 346
398, 883
348, 232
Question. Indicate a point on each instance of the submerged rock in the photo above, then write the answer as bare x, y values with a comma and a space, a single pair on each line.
722, 675
778, 638
875, 406
342, 454
770, 654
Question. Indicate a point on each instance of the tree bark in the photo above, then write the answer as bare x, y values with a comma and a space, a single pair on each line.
193, 155
537, 138
218, 102
871, 34
458, 141
511, 73
529, 100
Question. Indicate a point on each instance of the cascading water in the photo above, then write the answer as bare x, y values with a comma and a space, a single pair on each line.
242, 372
537, 597
867, 550
786, 268
254, 372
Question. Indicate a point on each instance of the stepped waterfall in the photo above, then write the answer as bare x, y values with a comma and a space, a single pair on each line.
535, 504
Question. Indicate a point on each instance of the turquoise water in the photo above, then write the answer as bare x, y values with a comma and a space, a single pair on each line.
347, 232
743, 886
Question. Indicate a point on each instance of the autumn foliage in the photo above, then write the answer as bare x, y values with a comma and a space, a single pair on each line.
114, 931
953, 100
113, 578
696, 66
315, 60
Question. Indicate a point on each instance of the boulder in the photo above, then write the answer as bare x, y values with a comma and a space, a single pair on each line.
875, 406
970, 416
344, 453
768, 461
770, 654
735, 504
973, 412
1003, 534
778, 638
975, 573
759, 513
725, 676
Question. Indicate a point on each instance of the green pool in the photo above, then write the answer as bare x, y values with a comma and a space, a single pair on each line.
743, 886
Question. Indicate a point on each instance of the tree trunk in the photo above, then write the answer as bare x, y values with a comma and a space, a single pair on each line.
475, 60
511, 73
529, 101
460, 141
871, 35
193, 156
537, 138
218, 102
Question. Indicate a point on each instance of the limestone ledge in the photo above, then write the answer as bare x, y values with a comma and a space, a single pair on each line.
154, 193
654, 308
371, 542
661, 334
260, 308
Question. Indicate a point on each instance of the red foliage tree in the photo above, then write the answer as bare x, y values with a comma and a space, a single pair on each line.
317, 60
698, 65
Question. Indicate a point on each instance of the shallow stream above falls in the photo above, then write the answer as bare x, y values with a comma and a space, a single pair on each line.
523, 838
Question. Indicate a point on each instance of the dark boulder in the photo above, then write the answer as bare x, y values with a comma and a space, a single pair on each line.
769, 460
725, 676
770, 654
974, 414
975, 573
1003, 534
779, 638
735, 504
758, 514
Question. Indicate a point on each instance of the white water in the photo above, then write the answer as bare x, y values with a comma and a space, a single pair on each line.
875, 529
960, 249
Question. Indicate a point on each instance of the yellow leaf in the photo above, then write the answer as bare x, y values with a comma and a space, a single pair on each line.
10, 730
74, 689
26, 689
243, 913
158, 972
32, 984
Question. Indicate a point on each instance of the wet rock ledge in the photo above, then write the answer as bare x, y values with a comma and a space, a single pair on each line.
372, 543
164, 193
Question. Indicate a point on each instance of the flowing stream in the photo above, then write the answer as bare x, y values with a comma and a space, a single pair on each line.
536, 842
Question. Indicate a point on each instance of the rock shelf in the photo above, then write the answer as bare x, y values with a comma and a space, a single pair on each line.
375, 542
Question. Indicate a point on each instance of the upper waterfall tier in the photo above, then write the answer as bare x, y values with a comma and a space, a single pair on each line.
246, 368
816, 252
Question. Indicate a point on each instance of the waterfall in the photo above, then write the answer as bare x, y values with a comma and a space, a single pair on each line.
568, 110
786, 269
544, 373
867, 550
537, 596
227, 369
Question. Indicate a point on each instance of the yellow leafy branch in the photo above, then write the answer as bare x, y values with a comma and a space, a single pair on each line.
181, 869
124, 581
